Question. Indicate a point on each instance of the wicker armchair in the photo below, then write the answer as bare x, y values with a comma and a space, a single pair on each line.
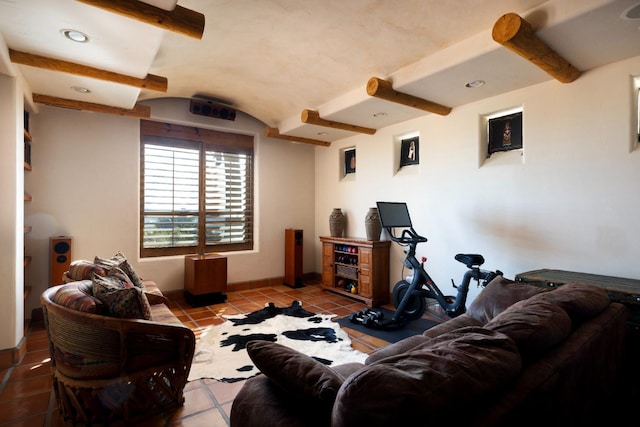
115, 371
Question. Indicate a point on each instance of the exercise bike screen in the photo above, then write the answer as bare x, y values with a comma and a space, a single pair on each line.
394, 214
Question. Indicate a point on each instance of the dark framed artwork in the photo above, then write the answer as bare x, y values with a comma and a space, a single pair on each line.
505, 133
410, 151
349, 161
638, 104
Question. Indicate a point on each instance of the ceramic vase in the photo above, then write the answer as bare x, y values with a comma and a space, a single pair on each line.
372, 224
336, 223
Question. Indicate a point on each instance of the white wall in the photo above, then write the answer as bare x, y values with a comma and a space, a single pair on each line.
570, 202
11, 213
85, 183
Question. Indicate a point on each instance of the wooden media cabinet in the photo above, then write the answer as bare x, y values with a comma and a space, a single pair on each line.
357, 268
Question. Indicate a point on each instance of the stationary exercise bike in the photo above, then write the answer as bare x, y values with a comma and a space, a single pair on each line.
409, 298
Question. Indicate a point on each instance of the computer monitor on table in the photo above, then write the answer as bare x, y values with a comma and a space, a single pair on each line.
394, 214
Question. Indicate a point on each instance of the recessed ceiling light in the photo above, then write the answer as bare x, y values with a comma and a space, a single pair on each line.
76, 36
474, 83
380, 114
322, 134
80, 89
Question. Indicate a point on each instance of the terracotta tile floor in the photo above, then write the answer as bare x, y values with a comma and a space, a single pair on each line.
27, 399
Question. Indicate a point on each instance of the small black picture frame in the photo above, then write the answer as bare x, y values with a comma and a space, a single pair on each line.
349, 161
410, 151
505, 133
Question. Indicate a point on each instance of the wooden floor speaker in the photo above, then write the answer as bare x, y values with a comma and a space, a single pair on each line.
59, 258
293, 257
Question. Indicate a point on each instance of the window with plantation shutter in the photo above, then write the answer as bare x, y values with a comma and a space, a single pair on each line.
196, 192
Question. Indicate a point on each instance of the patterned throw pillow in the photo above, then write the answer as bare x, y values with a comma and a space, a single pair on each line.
120, 261
83, 270
77, 296
122, 278
127, 303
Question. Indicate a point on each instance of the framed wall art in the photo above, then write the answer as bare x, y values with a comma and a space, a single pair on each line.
505, 133
349, 161
410, 151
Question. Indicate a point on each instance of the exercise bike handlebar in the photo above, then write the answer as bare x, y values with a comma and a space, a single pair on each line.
407, 237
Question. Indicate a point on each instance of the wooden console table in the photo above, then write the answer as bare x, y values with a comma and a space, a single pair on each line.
625, 291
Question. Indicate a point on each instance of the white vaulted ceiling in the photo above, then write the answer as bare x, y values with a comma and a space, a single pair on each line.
272, 59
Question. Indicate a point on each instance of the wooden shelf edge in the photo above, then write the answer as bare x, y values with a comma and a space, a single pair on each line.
27, 291
27, 135
27, 166
27, 197
27, 260
348, 294
358, 241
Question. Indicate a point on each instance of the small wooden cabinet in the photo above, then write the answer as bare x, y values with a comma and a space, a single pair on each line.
357, 268
205, 279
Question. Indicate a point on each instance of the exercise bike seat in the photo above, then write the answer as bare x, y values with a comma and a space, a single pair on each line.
470, 260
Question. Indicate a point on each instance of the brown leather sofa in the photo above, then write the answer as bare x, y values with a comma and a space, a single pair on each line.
521, 355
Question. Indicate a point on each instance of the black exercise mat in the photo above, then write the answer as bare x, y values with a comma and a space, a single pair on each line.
414, 327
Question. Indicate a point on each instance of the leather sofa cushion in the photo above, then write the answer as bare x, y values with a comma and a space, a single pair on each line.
581, 301
396, 348
296, 373
535, 325
436, 379
409, 343
451, 325
497, 296
261, 403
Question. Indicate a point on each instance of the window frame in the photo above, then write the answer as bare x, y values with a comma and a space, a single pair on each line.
205, 140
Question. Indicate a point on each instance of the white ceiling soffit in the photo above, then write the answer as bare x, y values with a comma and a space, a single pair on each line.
117, 44
588, 34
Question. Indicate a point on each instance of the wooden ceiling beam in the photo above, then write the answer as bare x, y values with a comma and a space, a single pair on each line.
179, 20
151, 82
275, 133
139, 110
516, 34
311, 117
383, 89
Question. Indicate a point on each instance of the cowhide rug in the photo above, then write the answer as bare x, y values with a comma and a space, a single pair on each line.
221, 354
